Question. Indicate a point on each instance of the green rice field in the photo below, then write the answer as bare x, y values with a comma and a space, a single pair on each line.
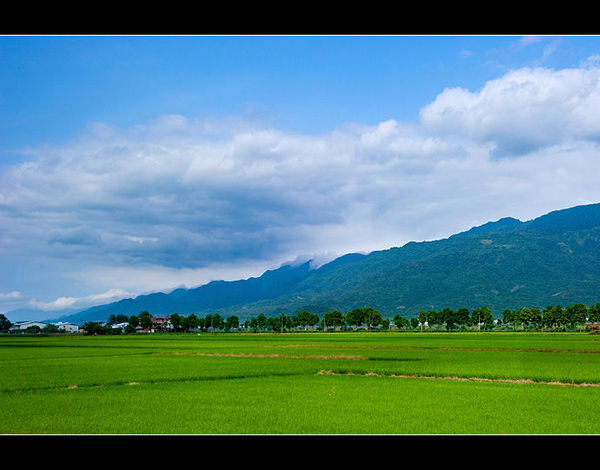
301, 383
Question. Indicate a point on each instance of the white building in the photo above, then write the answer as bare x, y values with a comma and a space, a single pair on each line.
68, 327
64, 326
120, 325
26, 324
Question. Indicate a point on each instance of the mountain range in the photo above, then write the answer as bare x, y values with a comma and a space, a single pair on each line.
553, 259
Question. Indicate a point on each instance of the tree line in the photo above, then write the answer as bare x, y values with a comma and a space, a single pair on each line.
358, 317
481, 319
553, 317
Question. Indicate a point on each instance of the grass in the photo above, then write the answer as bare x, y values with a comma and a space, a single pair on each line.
273, 384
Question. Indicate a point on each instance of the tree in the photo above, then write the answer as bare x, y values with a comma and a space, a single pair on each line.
579, 314
176, 321
435, 318
372, 317
364, 315
422, 318
118, 318
334, 318
461, 316
561, 318
516, 318
594, 313
301, 318
507, 316
305, 318
134, 321
288, 321
355, 317
5, 323
217, 322
285, 322
191, 322
50, 328
482, 316
261, 321
401, 322
93, 328
488, 317
414, 322
274, 323
448, 317
549, 316
536, 317
232, 322
145, 320
525, 316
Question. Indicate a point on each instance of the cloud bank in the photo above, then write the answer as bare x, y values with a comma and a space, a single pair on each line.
523, 111
178, 197
62, 303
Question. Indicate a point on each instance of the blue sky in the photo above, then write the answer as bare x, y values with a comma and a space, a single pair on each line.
143, 163
53, 87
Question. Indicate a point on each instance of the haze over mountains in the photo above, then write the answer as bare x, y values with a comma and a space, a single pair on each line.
553, 259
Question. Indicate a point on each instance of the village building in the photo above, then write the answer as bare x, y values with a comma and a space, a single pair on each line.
68, 327
160, 324
22, 326
120, 325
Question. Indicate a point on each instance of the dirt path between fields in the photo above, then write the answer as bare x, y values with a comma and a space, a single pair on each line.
434, 348
462, 379
281, 356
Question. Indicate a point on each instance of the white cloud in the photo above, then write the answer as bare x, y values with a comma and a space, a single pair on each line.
524, 110
58, 304
140, 239
528, 40
592, 61
144, 278
61, 303
15, 294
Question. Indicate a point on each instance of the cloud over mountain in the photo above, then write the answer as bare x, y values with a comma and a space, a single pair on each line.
522, 111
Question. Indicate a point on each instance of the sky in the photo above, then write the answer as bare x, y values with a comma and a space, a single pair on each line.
137, 164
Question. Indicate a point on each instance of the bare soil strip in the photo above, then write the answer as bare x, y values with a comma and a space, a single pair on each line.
280, 356
434, 348
462, 379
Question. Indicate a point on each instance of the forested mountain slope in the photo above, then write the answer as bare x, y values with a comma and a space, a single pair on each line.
553, 259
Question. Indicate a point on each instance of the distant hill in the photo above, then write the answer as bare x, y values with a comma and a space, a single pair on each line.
553, 259
213, 296
37, 314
